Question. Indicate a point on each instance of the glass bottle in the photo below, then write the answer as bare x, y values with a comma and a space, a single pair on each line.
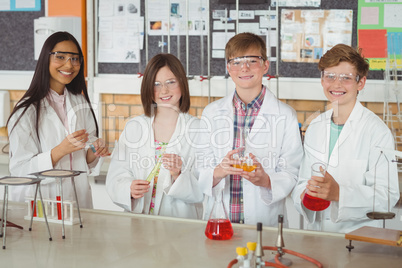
219, 226
311, 202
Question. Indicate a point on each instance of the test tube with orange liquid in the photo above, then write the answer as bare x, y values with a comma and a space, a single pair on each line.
248, 164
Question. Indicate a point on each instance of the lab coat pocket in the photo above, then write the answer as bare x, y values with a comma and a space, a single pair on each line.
351, 171
349, 175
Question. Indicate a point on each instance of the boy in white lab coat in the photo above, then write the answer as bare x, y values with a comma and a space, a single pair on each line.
348, 138
273, 140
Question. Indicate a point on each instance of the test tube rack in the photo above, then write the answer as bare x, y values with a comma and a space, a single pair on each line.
51, 211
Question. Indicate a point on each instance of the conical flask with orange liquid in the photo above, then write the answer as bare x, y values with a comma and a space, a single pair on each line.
219, 226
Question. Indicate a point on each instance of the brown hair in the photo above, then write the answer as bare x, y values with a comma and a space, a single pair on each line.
147, 86
242, 42
40, 84
344, 53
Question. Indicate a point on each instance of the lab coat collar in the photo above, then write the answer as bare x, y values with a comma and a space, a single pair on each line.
350, 125
174, 142
72, 113
270, 104
53, 117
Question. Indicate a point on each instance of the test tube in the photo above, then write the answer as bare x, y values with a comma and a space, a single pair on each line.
40, 209
58, 198
33, 208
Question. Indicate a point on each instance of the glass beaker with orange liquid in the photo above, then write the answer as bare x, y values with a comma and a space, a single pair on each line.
248, 164
219, 226
245, 162
311, 202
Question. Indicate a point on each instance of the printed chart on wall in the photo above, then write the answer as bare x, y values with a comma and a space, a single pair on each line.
181, 15
121, 31
380, 32
260, 22
307, 34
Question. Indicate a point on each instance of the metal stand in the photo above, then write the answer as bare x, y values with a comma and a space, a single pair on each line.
60, 174
6, 181
11, 224
62, 205
280, 244
76, 199
350, 247
43, 208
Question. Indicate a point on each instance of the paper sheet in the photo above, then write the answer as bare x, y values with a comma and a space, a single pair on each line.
369, 15
121, 31
373, 43
171, 18
307, 34
219, 39
392, 16
24, 3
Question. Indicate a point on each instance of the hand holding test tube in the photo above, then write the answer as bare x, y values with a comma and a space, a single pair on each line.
98, 146
156, 167
173, 163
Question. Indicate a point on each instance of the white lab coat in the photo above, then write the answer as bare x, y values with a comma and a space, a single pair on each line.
353, 165
274, 140
29, 155
133, 159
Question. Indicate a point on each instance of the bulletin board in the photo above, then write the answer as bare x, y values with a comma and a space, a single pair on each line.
17, 42
307, 34
199, 56
17, 39
200, 61
380, 32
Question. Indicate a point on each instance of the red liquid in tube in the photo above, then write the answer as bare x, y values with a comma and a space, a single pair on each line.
34, 208
58, 198
219, 229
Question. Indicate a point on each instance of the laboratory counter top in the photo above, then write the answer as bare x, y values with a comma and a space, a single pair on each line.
121, 239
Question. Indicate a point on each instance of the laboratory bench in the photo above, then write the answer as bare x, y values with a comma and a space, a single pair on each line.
122, 239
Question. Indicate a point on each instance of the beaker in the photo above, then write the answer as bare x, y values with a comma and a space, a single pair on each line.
219, 226
314, 203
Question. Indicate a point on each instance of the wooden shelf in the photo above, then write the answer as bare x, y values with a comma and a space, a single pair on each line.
376, 235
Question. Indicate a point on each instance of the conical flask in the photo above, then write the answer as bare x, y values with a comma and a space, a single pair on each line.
219, 226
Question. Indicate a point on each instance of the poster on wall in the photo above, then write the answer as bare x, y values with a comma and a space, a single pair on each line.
20, 5
120, 31
380, 32
259, 22
181, 15
296, 3
307, 34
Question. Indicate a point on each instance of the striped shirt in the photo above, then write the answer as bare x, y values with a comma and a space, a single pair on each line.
243, 120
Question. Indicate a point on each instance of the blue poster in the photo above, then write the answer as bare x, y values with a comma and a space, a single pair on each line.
20, 5
394, 40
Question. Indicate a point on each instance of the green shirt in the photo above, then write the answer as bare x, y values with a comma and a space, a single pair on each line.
334, 135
